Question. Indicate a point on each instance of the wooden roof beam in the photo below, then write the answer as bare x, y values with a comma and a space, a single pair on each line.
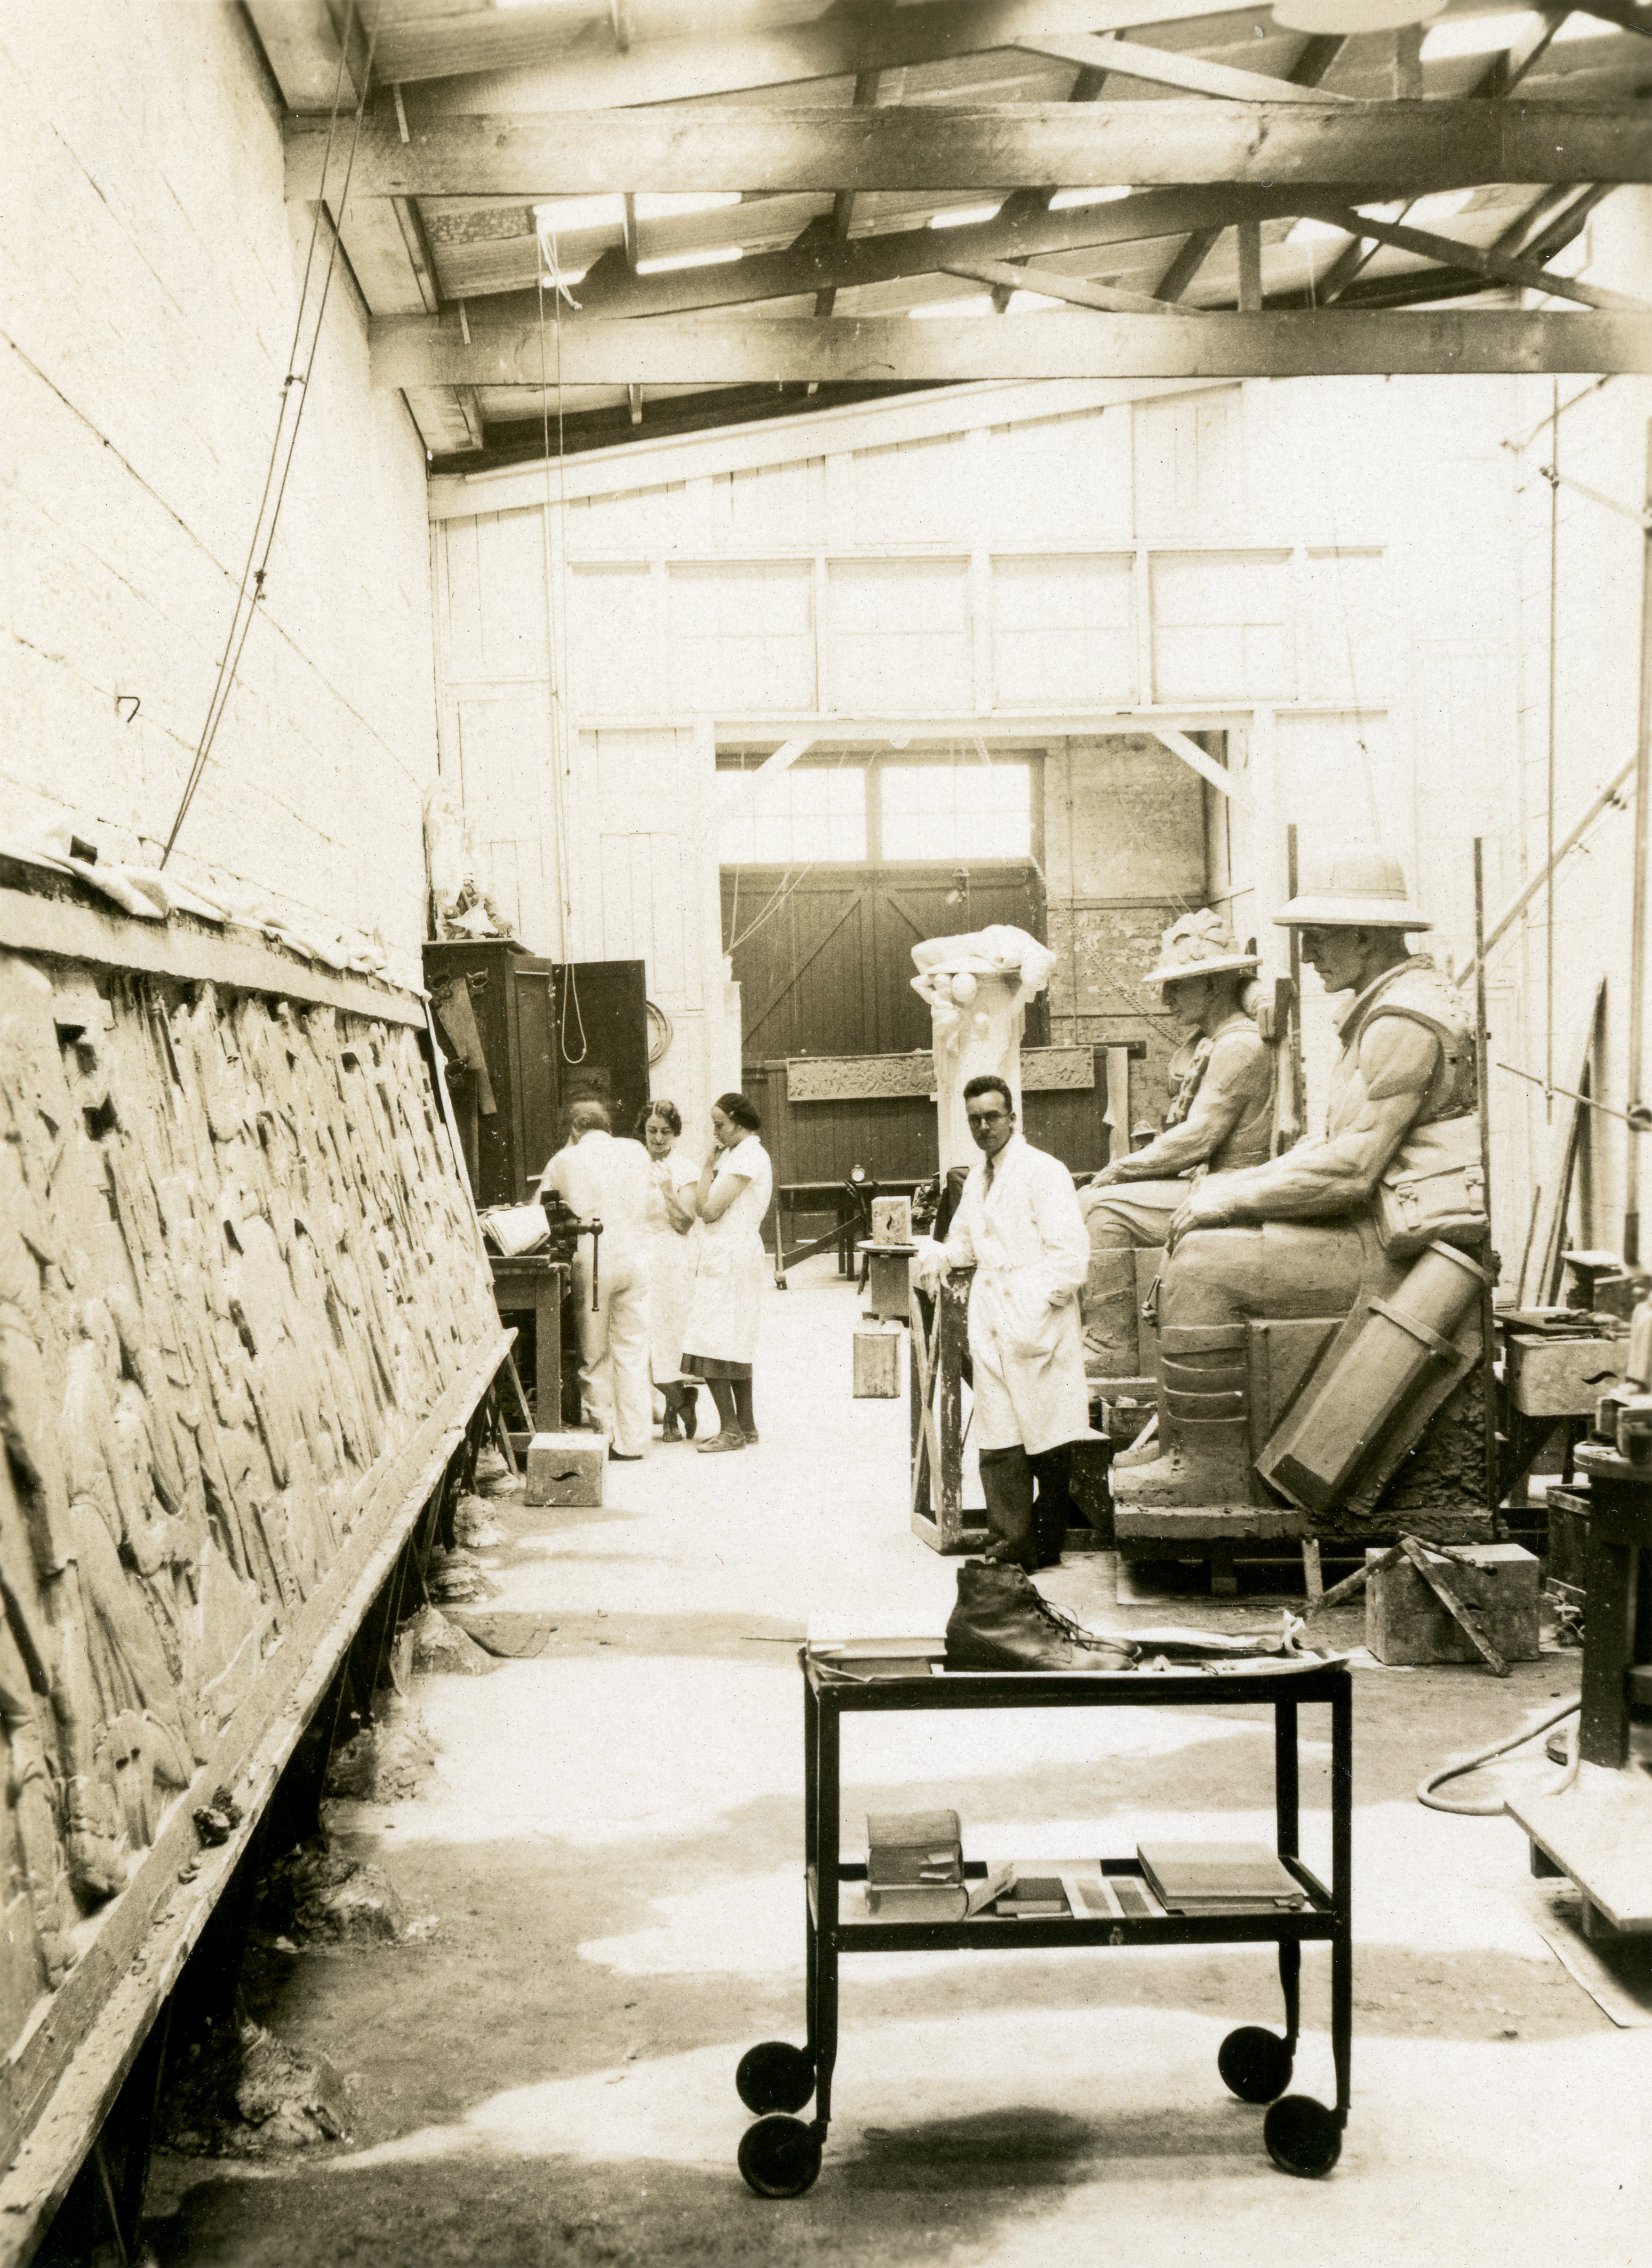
818, 260
1314, 60
1410, 146
1074, 289
1451, 252
692, 66
1190, 73
777, 350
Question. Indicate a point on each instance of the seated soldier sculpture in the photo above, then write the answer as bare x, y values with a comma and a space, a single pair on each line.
1308, 1234
1222, 1117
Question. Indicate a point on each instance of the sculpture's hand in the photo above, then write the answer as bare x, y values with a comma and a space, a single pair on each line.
1185, 1220
1108, 1175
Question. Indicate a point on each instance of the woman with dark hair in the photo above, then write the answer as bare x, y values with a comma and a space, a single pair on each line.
670, 1223
720, 1337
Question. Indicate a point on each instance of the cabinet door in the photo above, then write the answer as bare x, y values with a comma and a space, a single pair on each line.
535, 1002
601, 1037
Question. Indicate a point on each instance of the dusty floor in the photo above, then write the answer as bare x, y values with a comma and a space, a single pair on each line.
612, 1853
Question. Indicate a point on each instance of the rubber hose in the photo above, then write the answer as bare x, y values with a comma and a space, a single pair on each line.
1494, 1807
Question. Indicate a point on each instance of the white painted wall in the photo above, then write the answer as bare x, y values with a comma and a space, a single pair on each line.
1605, 443
148, 281
1337, 573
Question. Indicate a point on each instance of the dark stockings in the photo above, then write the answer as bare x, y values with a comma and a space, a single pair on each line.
743, 1417
722, 1393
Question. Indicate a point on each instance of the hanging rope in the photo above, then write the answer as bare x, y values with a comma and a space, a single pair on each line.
295, 380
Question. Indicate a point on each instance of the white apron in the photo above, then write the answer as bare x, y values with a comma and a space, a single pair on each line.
732, 1266
1026, 1242
671, 1267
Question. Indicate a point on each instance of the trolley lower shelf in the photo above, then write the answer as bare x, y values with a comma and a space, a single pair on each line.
780, 2157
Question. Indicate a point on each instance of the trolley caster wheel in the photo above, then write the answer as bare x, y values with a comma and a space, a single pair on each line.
1302, 2136
780, 2157
775, 2076
1255, 2065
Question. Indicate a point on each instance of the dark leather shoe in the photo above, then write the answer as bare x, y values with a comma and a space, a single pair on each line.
1002, 1622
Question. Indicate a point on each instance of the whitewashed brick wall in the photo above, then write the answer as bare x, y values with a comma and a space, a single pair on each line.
148, 281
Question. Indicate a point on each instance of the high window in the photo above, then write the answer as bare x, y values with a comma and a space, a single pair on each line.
859, 809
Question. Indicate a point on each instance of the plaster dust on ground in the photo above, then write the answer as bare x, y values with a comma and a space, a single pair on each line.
611, 1850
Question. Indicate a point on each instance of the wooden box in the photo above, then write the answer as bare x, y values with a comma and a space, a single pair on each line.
891, 1221
878, 1363
1563, 1377
1405, 1623
567, 1469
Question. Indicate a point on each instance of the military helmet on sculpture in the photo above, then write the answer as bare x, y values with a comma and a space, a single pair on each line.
1201, 943
1352, 886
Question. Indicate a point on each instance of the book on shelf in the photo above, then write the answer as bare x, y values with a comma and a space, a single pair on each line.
1195, 1878
1112, 1897
1033, 1898
914, 1847
938, 1901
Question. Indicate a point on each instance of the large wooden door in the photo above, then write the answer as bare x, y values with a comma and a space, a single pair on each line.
824, 963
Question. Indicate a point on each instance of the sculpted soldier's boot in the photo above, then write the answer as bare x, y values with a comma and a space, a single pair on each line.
1110, 1314
1204, 1426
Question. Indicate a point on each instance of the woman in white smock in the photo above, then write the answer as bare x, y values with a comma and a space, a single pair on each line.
720, 1336
673, 1248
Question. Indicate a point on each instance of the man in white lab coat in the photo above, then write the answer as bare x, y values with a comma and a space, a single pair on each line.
1019, 1226
608, 1179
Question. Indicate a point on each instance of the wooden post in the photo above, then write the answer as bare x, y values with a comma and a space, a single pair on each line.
1249, 235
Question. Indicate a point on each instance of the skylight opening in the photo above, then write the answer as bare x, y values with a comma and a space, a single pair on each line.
1487, 35
568, 216
1309, 230
966, 216
1070, 199
667, 204
979, 303
711, 256
1033, 303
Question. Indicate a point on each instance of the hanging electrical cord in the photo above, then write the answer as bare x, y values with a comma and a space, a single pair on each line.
1494, 1807
571, 991
556, 648
246, 608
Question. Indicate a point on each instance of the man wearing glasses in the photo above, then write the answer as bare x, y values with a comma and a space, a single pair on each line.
1019, 1226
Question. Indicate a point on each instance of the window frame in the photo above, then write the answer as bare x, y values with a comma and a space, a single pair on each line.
872, 761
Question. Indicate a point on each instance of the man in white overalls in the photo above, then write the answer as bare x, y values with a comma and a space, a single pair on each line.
598, 1175
1019, 1226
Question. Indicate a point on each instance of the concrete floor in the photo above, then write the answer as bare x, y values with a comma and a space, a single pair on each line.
611, 1853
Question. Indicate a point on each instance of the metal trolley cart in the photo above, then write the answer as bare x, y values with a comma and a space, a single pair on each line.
780, 2157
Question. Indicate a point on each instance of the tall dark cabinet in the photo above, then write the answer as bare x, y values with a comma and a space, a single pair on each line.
523, 1039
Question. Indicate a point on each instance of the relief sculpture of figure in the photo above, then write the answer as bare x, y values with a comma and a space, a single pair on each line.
1306, 1234
1221, 1119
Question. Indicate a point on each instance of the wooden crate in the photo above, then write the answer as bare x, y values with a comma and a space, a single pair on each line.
1405, 1623
877, 1375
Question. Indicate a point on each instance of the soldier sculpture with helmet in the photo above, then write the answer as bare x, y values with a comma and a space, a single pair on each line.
1221, 1119
1308, 1233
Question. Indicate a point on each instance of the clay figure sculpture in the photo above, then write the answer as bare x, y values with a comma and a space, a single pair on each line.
1220, 1119
1302, 1235
977, 989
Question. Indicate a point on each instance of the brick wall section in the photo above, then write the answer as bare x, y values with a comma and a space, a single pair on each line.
148, 283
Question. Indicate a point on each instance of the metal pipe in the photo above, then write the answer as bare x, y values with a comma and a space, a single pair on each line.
1609, 795
1482, 1079
1637, 919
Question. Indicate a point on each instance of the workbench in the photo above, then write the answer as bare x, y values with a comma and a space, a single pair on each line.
1599, 1829
780, 2156
529, 1283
